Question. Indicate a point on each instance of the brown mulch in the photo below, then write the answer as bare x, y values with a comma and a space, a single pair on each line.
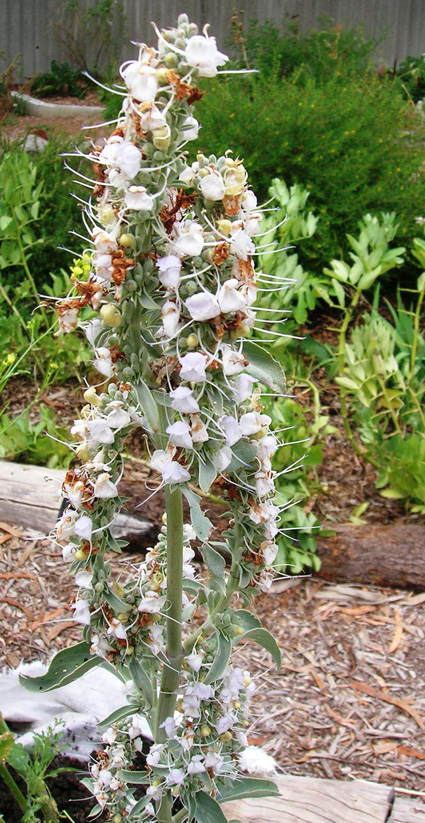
14, 127
349, 701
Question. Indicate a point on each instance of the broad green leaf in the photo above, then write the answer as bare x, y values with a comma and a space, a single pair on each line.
207, 475
392, 494
5, 221
118, 714
420, 285
221, 660
369, 278
149, 407
247, 620
267, 641
264, 367
200, 521
216, 565
142, 679
339, 291
140, 805
133, 777
207, 810
6, 744
67, 665
347, 383
115, 603
249, 787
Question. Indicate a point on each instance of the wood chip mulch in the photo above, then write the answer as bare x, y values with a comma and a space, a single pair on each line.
349, 701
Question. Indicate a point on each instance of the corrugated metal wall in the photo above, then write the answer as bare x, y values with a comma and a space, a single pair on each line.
27, 27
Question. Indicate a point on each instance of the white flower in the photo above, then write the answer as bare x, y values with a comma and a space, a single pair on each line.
103, 362
175, 777
169, 726
229, 298
142, 81
202, 54
169, 271
161, 457
214, 761
242, 388
212, 186
104, 488
194, 660
251, 423
129, 159
190, 240
241, 244
99, 430
263, 484
117, 629
75, 493
103, 266
118, 418
196, 765
155, 754
65, 525
82, 612
170, 318
198, 429
103, 241
182, 400
222, 458
226, 722
231, 428
151, 603
269, 553
189, 128
67, 320
193, 367
175, 473
136, 197
156, 638
83, 527
179, 433
233, 361
254, 761
202, 306
249, 201
92, 329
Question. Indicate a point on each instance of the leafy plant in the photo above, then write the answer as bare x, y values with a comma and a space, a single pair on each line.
37, 442
34, 769
411, 74
61, 80
7, 77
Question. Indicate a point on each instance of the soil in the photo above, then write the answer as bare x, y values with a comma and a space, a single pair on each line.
14, 127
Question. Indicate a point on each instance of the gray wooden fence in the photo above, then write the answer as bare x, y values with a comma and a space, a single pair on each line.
31, 27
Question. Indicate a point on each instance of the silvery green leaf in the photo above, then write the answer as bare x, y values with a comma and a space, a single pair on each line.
221, 659
118, 714
200, 521
149, 407
142, 679
207, 810
249, 787
267, 641
67, 665
115, 603
264, 367
216, 566
207, 475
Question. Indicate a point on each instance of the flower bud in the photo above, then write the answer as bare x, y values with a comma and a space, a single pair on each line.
82, 452
80, 555
127, 241
129, 651
226, 737
192, 341
161, 137
205, 731
237, 631
110, 315
224, 226
237, 704
91, 396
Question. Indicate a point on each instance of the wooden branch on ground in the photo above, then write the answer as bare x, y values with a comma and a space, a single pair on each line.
30, 496
380, 555
312, 800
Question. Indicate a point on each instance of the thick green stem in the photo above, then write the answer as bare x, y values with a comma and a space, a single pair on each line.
174, 654
13, 788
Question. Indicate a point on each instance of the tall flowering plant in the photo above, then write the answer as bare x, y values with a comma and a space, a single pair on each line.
173, 285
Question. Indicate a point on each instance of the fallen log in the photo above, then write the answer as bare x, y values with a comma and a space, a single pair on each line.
391, 555
30, 496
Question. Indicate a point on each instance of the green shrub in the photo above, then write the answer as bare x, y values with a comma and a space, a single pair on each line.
319, 52
356, 146
61, 80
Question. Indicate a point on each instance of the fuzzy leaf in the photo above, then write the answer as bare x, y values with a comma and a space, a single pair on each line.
124, 711
133, 777
67, 665
216, 565
200, 521
264, 367
207, 810
149, 407
142, 680
249, 787
207, 475
221, 659
267, 641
